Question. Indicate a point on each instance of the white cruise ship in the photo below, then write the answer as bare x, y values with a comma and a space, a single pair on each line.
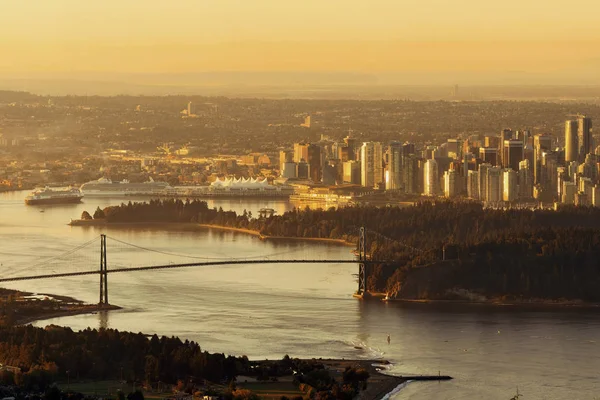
106, 188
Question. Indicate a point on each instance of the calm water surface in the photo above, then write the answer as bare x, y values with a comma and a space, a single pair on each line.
304, 310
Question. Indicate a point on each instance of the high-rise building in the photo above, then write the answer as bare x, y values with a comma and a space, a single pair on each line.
525, 181
505, 134
454, 148
541, 142
352, 172
190, 109
300, 152
494, 185
491, 141
289, 170
302, 170
568, 192
410, 174
285, 156
489, 155
473, 185
549, 176
584, 136
509, 185
430, 178
330, 174
596, 196
314, 163
483, 168
451, 182
571, 141
394, 167
513, 154
371, 159
351, 145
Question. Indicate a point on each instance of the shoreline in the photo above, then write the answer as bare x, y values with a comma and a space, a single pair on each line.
87, 309
103, 223
267, 237
498, 303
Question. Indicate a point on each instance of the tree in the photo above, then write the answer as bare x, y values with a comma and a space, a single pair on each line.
137, 395
86, 215
99, 214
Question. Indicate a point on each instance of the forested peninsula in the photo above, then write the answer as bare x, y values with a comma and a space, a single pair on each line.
440, 250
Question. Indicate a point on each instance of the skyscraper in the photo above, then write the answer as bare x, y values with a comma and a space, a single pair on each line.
431, 179
584, 136
541, 143
571, 141
513, 154
314, 163
473, 185
285, 156
451, 183
489, 155
525, 181
300, 152
394, 167
505, 134
509, 185
351, 144
494, 185
371, 159
483, 168
410, 173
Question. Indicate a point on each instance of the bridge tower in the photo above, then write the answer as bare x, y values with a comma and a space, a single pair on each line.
103, 272
363, 273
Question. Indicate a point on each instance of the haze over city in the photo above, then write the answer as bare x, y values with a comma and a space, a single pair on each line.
383, 42
299, 200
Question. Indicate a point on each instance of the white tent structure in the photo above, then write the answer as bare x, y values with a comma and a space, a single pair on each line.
240, 183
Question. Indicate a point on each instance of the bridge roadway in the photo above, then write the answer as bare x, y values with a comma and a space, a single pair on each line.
197, 264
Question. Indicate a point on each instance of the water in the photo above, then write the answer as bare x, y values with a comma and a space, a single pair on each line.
267, 311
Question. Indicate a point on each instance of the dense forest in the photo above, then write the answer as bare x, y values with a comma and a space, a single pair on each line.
440, 250
47, 355
44, 355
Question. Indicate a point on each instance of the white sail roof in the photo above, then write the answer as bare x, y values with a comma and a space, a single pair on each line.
240, 183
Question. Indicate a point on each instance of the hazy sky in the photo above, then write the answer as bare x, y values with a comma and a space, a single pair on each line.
317, 35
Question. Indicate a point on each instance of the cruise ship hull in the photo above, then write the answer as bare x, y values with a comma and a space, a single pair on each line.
54, 200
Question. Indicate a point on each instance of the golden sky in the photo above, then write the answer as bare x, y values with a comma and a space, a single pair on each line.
325, 35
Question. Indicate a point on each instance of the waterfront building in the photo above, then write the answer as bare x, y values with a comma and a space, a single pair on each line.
352, 172
290, 170
314, 163
285, 156
302, 170
371, 158
300, 152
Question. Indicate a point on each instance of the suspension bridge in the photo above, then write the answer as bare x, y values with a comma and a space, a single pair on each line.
79, 261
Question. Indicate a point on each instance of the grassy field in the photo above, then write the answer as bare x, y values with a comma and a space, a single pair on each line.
109, 388
272, 390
